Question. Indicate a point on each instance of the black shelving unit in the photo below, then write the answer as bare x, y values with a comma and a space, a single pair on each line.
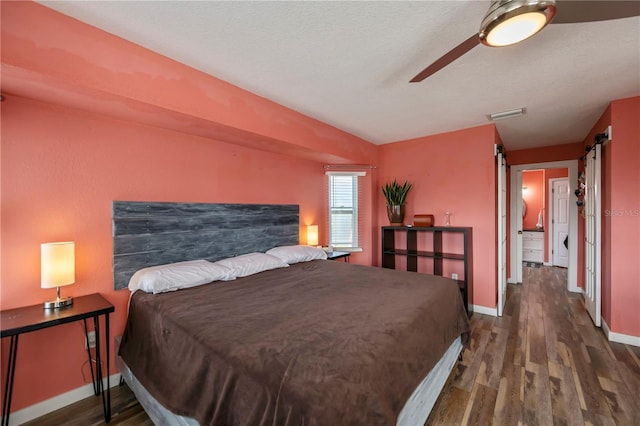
438, 253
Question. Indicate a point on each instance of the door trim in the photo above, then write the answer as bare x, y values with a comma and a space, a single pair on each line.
516, 223
502, 229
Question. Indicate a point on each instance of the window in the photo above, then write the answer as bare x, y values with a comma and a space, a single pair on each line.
343, 209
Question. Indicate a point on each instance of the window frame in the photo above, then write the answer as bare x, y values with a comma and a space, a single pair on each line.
354, 210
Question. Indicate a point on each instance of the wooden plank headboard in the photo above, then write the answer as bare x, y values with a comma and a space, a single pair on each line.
148, 234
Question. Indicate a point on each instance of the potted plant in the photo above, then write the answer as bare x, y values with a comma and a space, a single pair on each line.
396, 196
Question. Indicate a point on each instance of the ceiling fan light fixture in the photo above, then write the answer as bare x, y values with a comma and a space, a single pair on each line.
516, 29
511, 21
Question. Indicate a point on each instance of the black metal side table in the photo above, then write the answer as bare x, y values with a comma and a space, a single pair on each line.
15, 322
334, 255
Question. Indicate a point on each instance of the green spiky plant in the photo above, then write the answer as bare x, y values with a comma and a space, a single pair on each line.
396, 194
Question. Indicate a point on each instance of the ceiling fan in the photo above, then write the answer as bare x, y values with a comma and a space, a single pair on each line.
510, 21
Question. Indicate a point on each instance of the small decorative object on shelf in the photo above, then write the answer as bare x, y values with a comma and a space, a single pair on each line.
447, 218
423, 220
396, 195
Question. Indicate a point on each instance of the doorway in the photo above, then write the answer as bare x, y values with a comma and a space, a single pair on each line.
516, 228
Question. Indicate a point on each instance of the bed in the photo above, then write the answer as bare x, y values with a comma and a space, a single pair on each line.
314, 342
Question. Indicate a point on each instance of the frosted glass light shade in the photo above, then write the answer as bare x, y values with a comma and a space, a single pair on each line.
510, 21
312, 235
516, 29
57, 264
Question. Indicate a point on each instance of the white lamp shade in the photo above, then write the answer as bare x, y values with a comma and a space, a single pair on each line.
57, 264
312, 235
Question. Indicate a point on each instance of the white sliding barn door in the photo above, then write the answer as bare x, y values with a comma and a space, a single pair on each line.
502, 232
593, 226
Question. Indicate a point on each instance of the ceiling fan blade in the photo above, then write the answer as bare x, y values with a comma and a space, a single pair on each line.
569, 11
449, 57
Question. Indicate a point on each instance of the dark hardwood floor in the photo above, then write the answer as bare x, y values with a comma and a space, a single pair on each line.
542, 363
125, 411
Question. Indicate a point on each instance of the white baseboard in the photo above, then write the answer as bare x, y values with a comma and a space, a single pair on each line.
619, 337
52, 404
477, 309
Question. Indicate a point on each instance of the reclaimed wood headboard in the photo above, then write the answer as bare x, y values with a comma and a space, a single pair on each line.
150, 233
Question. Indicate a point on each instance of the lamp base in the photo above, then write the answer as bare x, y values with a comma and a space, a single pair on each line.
60, 302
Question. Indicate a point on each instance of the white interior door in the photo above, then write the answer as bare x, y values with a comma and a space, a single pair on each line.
593, 226
560, 222
502, 232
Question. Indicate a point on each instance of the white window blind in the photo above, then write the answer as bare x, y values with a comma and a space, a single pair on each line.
343, 209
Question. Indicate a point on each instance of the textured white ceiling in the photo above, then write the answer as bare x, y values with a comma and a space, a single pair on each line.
349, 63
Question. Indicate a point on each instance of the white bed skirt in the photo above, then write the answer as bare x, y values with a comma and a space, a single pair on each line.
415, 412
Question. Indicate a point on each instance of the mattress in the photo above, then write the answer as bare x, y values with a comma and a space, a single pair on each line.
415, 411
320, 342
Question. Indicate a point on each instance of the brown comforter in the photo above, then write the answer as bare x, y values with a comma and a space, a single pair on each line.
318, 343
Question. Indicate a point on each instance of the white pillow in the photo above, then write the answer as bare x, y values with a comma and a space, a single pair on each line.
174, 276
252, 263
295, 254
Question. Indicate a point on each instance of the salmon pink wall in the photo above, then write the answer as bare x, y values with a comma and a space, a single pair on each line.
625, 217
533, 196
62, 168
453, 172
621, 216
546, 154
49, 56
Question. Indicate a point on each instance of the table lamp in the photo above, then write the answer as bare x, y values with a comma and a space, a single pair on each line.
57, 269
312, 235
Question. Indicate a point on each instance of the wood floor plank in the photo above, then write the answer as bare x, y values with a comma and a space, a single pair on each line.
537, 395
508, 408
603, 365
536, 344
624, 407
481, 405
479, 339
587, 380
125, 411
447, 410
564, 396
631, 380
493, 360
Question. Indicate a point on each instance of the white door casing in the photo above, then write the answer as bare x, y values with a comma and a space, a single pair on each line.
593, 226
559, 234
502, 233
